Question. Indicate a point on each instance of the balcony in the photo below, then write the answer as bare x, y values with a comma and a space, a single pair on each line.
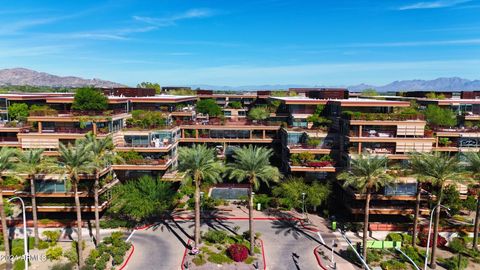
144, 164
313, 166
381, 116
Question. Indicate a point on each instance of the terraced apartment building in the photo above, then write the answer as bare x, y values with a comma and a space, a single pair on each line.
314, 132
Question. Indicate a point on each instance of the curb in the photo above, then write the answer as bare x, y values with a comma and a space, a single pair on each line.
319, 260
235, 218
263, 255
128, 258
182, 266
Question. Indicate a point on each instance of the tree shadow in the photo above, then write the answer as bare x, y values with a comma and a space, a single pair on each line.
293, 228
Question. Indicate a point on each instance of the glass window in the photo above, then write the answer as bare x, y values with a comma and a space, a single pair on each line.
401, 189
50, 186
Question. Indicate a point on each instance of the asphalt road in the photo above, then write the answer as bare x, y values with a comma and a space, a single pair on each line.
287, 246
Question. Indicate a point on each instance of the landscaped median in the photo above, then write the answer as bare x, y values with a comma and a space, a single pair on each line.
228, 251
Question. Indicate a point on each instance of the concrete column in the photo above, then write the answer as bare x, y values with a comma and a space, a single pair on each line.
39, 127
263, 134
94, 128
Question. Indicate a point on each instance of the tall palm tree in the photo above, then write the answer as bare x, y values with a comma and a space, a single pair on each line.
418, 198
6, 164
32, 162
75, 160
474, 168
436, 169
103, 156
199, 164
367, 174
252, 164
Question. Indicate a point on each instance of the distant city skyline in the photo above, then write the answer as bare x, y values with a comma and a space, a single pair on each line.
244, 43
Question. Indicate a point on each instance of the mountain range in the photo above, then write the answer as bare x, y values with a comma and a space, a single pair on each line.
23, 76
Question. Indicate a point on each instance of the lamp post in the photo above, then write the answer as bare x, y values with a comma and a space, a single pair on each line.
25, 236
303, 204
430, 229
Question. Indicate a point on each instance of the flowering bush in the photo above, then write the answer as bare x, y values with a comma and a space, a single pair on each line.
319, 163
441, 242
238, 253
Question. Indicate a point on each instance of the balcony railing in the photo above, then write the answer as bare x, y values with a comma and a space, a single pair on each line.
66, 130
148, 145
382, 116
147, 162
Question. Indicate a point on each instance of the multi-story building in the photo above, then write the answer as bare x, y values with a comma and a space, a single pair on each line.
314, 132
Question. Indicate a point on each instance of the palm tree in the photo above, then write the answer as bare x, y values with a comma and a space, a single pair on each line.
75, 160
32, 162
6, 163
436, 169
418, 198
252, 164
474, 168
367, 174
103, 156
199, 164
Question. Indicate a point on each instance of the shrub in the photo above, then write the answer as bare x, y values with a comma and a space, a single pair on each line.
19, 265
216, 237
453, 263
199, 260
441, 242
54, 253
52, 236
117, 259
71, 255
393, 265
457, 245
238, 253
374, 256
218, 258
63, 266
101, 265
115, 223
413, 254
43, 245
17, 251
394, 237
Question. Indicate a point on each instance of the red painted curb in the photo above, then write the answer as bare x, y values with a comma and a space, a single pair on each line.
143, 227
263, 255
236, 218
319, 261
128, 258
308, 228
184, 256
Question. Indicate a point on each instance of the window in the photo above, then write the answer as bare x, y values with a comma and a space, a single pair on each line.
50, 186
401, 189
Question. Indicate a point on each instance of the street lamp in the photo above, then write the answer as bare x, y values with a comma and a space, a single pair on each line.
303, 203
430, 229
25, 236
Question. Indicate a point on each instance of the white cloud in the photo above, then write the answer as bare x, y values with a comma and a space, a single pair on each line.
433, 4
171, 20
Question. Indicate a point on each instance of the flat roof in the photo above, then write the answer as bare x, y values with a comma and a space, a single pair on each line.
451, 101
351, 102
162, 99
301, 100
69, 99
33, 96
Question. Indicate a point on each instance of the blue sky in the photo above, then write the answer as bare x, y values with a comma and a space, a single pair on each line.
250, 42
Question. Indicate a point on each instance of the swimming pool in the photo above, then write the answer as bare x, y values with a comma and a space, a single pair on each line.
228, 193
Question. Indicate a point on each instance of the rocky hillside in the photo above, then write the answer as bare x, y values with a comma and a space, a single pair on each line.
23, 76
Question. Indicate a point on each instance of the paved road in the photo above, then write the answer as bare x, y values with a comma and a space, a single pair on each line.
287, 246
